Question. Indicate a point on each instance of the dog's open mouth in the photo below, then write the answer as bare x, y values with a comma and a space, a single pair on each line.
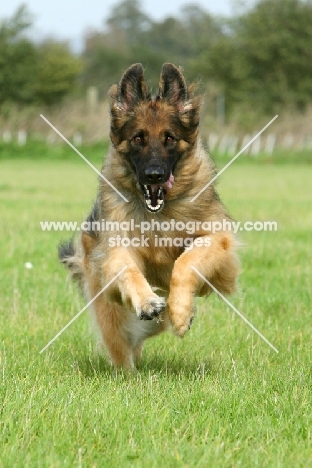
154, 197
154, 194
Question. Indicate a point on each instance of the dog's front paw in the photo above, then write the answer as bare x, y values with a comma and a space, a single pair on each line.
181, 315
180, 327
152, 308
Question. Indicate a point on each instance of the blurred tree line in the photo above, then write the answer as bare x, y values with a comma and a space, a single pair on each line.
33, 73
261, 59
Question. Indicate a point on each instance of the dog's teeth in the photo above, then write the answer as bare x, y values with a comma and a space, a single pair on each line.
160, 202
148, 202
154, 208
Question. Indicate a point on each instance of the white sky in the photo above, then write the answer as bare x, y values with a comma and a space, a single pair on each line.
68, 19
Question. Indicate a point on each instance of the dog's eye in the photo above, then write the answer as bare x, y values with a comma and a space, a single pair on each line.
169, 139
138, 139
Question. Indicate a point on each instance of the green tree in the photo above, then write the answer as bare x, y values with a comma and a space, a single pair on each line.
57, 71
103, 67
183, 38
128, 17
265, 56
31, 73
18, 59
130, 36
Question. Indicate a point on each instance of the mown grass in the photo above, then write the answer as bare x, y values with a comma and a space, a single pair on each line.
219, 398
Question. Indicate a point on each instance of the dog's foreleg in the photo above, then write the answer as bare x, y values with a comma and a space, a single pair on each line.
131, 287
215, 259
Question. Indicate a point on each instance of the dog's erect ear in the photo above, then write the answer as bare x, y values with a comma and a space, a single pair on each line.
172, 85
131, 89
124, 97
174, 90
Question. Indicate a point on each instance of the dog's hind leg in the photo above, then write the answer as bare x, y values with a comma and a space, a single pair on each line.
138, 352
111, 320
123, 333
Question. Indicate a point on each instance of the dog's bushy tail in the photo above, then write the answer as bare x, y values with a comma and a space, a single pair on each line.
69, 256
74, 254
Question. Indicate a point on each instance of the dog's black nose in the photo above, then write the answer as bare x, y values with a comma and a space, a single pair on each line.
154, 174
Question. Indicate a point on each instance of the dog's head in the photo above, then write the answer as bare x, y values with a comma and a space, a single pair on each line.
153, 133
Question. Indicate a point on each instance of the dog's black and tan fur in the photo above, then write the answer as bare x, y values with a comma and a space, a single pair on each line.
157, 162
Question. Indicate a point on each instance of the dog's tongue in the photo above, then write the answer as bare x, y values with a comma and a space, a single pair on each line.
168, 185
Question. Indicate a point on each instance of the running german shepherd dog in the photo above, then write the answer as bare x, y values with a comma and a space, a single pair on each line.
157, 163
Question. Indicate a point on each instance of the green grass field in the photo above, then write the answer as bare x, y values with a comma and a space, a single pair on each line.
218, 398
